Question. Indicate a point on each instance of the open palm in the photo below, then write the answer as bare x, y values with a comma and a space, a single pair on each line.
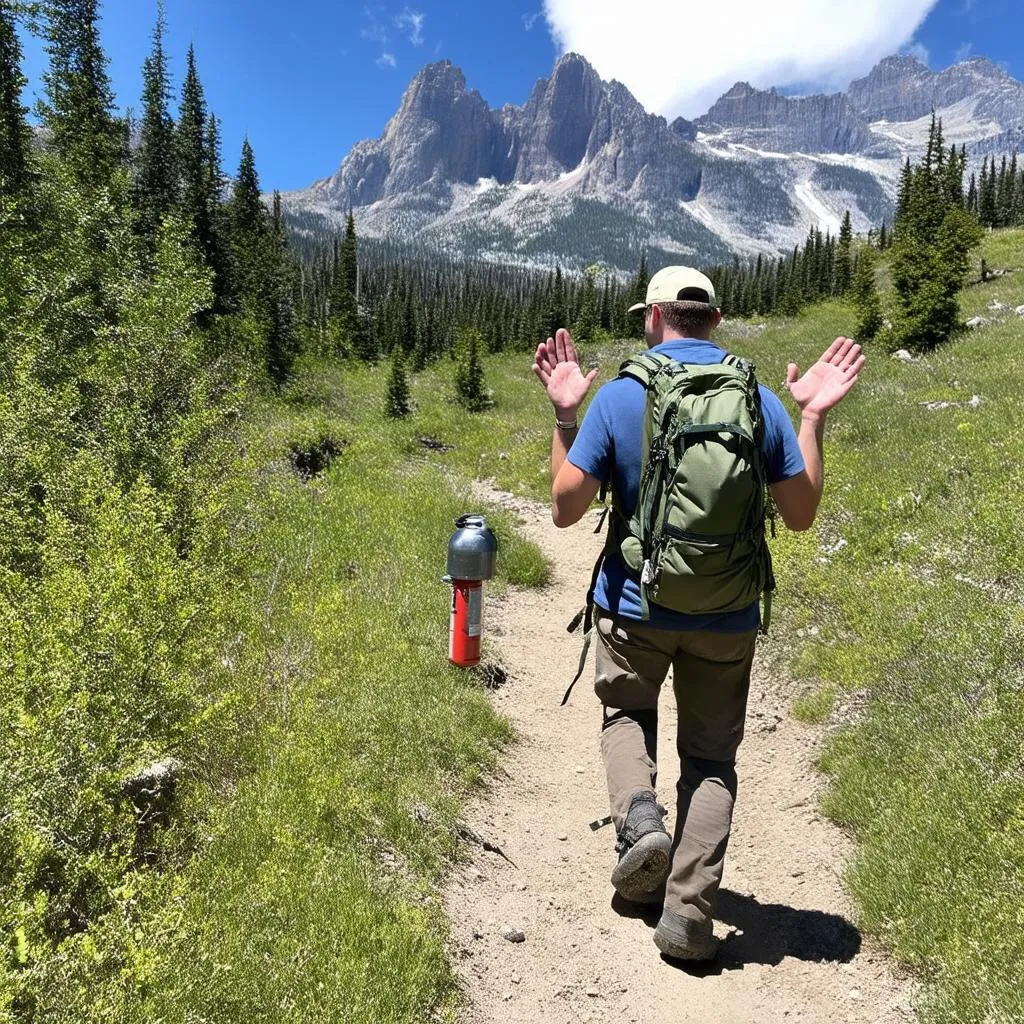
557, 367
827, 382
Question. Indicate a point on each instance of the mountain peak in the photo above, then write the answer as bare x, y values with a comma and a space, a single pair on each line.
442, 73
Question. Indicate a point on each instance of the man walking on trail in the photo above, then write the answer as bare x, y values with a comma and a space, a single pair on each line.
638, 640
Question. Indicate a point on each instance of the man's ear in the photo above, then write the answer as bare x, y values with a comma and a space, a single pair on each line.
656, 316
718, 318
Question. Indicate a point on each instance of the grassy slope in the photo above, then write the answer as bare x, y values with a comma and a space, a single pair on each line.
312, 895
312, 898
906, 599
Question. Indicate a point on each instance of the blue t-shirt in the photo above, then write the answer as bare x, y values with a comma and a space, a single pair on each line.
608, 446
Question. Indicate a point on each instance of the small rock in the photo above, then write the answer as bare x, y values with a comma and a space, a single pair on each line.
515, 979
1019, 311
997, 306
478, 932
512, 934
976, 321
795, 874
593, 992
507, 996
562, 837
975, 401
903, 356
856, 994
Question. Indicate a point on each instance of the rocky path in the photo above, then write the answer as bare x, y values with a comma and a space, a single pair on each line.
792, 952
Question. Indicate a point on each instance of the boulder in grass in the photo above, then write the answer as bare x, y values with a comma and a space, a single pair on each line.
976, 322
903, 356
1019, 311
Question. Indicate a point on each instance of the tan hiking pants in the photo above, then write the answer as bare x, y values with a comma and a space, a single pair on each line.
711, 678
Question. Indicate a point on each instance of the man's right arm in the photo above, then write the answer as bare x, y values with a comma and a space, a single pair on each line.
820, 389
798, 497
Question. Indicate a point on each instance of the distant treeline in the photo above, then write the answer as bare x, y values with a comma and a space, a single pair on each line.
419, 301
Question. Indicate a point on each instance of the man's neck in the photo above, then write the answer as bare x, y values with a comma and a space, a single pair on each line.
673, 336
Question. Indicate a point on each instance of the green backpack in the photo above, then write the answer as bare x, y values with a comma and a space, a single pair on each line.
696, 541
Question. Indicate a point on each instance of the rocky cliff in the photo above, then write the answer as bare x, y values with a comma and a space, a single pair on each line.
582, 172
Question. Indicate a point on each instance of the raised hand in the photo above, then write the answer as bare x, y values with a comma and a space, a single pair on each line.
557, 367
826, 383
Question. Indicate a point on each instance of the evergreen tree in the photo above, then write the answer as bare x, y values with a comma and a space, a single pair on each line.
155, 185
865, 294
14, 132
971, 202
987, 211
79, 98
556, 317
638, 292
588, 317
281, 336
930, 251
397, 403
248, 217
470, 386
843, 269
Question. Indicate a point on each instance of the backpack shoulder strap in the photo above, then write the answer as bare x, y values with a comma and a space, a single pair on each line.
745, 365
644, 367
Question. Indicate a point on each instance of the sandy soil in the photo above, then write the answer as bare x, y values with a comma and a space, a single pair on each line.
792, 952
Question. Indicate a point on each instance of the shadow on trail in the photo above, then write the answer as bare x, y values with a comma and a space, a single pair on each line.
770, 933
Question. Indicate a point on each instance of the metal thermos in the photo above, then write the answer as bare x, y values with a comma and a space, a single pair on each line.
472, 552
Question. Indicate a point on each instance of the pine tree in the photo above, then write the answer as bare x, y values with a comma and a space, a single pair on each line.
638, 293
842, 275
470, 386
79, 98
397, 403
14, 132
930, 251
987, 211
198, 201
282, 343
588, 317
865, 295
155, 185
248, 217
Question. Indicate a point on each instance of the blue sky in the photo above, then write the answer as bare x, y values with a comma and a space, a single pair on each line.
307, 79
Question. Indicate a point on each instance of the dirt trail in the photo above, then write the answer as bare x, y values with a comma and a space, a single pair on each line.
792, 953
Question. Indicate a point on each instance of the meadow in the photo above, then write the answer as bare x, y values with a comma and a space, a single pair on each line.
300, 881
898, 623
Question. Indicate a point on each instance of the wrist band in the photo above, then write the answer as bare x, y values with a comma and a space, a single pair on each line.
565, 424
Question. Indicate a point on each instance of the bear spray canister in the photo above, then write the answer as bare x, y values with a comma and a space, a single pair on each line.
471, 555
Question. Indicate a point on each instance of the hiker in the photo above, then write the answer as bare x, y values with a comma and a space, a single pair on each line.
710, 650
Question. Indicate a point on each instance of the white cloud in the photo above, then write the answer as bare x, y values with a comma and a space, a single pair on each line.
413, 21
387, 60
678, 56
530, 19
374, 29
918, 51
964, 50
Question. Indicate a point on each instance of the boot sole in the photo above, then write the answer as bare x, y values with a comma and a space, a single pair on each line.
699, 951
644, 869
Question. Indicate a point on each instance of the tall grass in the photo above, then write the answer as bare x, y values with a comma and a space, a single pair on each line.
298, 882
901, 615
906, 602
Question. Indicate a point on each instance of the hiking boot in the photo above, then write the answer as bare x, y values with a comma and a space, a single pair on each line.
683, 939
643, 847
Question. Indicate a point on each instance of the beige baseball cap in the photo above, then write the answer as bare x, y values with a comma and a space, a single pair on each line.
678, 284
